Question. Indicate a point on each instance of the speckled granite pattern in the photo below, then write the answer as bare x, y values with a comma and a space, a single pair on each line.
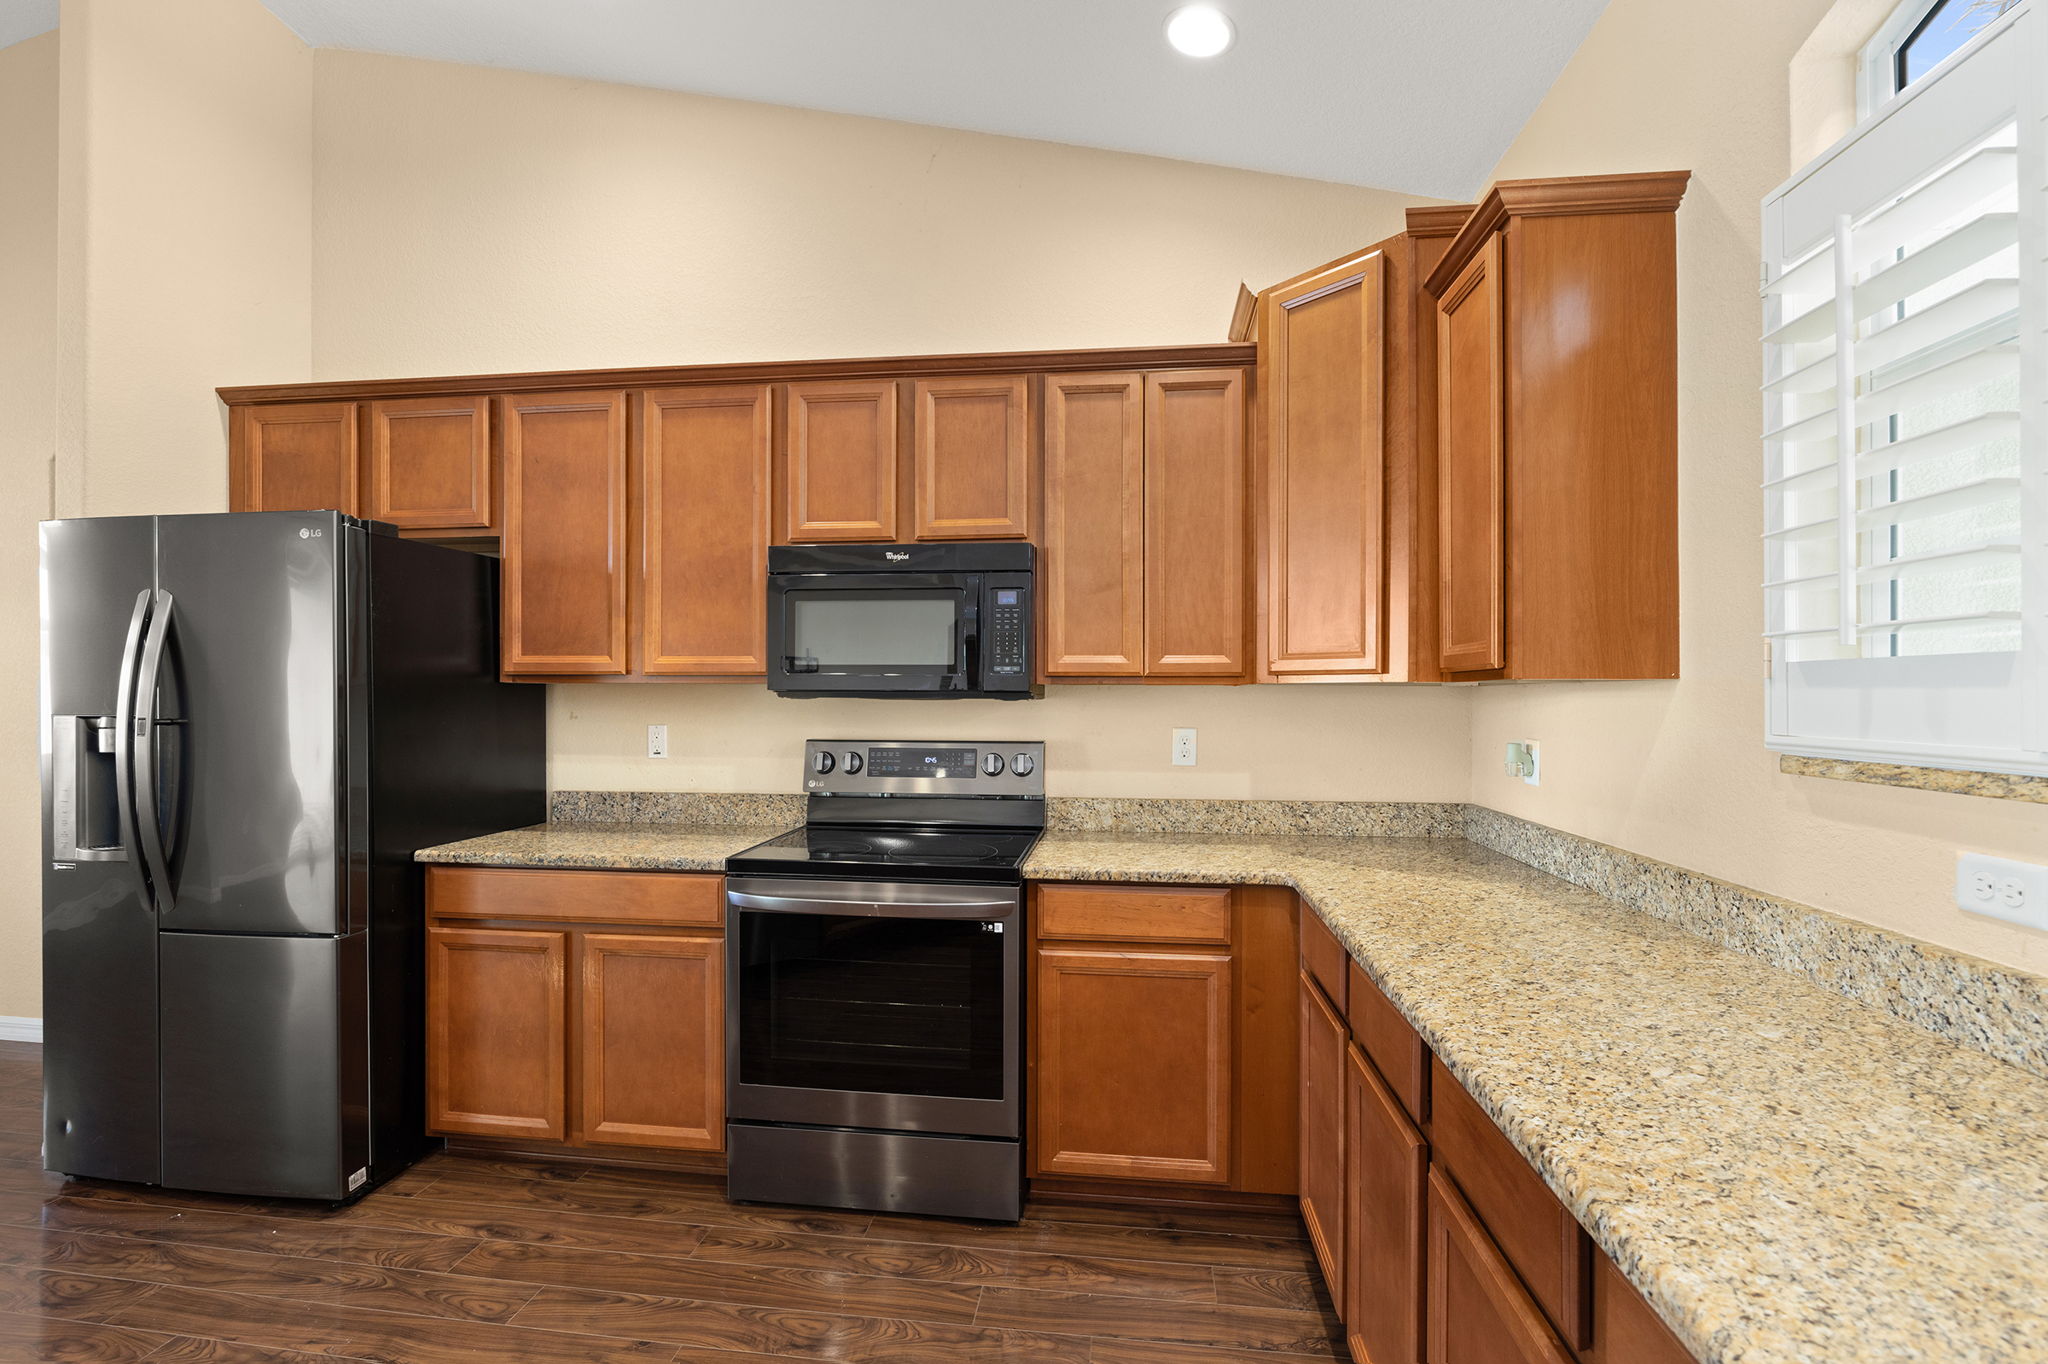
613, 846
1789, 1177
1996, 785
675, 807
1339, 818
1996, 1009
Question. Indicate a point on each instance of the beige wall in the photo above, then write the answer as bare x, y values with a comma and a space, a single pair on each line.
1678, 771
469, 219
28, 367
185, 219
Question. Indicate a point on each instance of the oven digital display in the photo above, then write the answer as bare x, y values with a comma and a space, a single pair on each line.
946, 763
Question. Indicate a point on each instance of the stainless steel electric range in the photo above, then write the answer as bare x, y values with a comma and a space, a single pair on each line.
874, 983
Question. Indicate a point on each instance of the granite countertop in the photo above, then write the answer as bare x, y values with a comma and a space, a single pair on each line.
1786, 1175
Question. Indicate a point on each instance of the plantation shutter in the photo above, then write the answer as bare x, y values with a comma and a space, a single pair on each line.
1904, 517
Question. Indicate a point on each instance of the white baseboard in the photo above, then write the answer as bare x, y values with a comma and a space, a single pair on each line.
21, 1029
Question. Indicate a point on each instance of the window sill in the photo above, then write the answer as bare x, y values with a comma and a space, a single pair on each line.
1995, 785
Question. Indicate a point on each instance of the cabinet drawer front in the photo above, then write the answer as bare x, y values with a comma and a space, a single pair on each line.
652, 1029
1123, 914
688, 899
496, 1000
1396, 1049
1478, 1310
1538, 1235
1323, 957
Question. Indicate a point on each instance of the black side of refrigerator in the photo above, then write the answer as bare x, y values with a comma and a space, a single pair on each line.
453, 753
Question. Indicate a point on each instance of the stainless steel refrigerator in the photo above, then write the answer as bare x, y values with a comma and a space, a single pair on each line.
250, 722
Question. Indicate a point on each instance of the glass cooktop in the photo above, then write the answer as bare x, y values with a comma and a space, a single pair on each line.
906, 853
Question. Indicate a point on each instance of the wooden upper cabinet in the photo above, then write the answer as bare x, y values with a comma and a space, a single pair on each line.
1471, 430
841, 474
429, 464
565, 533
496, 1011
1386, 1172
652, 1040
705, 474
1132, 1073
1092, 571
1557, 369
975, 468
1195, 558
293, 457
1322, 352
1478, 1311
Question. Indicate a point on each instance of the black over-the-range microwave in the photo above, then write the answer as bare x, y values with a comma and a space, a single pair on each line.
901, 620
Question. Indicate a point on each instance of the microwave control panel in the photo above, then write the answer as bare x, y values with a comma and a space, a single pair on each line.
1006, 655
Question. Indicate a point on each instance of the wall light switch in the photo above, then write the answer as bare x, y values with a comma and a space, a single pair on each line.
1183, 748
2003, 889
657, 741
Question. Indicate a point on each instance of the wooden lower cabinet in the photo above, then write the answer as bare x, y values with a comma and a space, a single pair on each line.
1323, 1132
1479, 1313
596, 1018
1386, 1170
496, 1015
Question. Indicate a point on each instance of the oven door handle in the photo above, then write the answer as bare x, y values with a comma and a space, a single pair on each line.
877, 909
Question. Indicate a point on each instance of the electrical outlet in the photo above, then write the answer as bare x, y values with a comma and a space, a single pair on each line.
1183, 748
2003, 889
1525, 760
657, 741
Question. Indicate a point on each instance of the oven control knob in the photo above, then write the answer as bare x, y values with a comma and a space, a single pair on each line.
1023, 764
852, 762
822, 762
993, 764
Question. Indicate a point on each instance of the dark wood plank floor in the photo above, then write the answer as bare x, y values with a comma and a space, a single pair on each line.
465, 1258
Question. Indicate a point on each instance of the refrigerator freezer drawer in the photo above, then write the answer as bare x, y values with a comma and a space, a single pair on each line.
265, 1065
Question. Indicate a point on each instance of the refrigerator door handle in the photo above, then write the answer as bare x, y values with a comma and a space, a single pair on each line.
148, 805
124, 740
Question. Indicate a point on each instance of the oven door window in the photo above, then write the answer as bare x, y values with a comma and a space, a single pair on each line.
874, 631
883, 1005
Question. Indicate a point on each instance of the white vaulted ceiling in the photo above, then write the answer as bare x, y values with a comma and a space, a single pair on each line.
1421, 96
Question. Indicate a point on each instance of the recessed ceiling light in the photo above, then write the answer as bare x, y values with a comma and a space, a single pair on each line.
1199, 30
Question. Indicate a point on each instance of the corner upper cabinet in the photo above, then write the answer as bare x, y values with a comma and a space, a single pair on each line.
565, 534
840, 472
428, 462
1093, 566
1322, 475
293, 457
1196, 481
702, 493
1557, 414
974, 459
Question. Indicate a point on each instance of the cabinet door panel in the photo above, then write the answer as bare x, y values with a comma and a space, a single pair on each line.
975, 467
1386, 1178
565, 533
1471, 430
294, 457
652, 1041
842, 461
496, 1006
430, 463
1626, 1329
1093, 569
1195, 524
1324, 478
1322, 1137
1132, 1073
1478, 1311
704, 493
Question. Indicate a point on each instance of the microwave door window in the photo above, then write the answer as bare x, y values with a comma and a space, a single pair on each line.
866, 633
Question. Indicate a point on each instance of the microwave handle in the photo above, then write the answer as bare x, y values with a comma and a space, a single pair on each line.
970, 634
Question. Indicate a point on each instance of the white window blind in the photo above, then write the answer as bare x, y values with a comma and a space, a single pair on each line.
1905, 512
